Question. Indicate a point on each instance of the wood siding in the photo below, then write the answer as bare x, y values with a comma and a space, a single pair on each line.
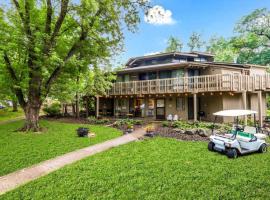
206, 83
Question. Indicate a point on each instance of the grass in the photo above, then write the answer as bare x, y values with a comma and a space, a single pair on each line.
19, 150
7, 114
155, 169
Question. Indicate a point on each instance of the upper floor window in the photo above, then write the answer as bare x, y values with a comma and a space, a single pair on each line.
200, 59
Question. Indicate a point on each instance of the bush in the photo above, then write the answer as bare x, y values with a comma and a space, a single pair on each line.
94, 120
126, 122
102, 121
165, 124
52, 110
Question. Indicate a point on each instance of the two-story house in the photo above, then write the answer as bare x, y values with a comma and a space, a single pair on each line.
190, 85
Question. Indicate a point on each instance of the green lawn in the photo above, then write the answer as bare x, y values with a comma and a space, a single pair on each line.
19, 150
155, 169
7, 114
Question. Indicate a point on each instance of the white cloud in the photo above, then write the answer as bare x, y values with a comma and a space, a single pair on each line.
157, 15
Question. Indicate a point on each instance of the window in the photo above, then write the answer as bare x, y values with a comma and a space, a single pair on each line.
151, 106
165, 74
180, 104
200, 59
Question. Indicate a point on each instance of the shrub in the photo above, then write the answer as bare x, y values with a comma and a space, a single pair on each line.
52, 110
165, 124
94, 120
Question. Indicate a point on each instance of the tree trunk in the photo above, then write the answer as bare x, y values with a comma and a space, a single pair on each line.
87, 107
77, 106
73, 109
14, 105
77, 100
31, 118
65, 110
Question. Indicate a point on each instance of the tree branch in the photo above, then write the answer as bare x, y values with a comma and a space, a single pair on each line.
70, 53
48, 18
58, 24
17, 90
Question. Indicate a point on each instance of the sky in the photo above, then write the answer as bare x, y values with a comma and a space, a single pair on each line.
181, 18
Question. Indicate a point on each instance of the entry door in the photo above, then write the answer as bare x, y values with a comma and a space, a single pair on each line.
160, 109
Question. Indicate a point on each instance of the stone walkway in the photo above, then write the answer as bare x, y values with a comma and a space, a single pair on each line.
18, 178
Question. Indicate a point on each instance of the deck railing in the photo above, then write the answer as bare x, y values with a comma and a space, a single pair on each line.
208, 83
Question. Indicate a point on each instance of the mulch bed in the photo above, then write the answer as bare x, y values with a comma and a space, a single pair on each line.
171, 133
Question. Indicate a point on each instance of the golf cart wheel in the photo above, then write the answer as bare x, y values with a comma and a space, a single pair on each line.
211, 146
232, 153
263, 148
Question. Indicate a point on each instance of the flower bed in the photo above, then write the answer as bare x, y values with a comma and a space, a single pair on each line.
183, 130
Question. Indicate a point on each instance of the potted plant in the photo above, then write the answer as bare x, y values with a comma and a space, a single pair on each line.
130, 128
150, 129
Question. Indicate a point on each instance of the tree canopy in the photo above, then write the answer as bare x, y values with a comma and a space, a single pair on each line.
43, 40
174, 44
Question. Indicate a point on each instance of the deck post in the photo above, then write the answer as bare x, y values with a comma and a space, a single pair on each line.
244, 101
195, 106
97, 106
260, 108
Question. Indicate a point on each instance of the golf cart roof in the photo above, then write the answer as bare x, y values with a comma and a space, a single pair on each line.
234, 113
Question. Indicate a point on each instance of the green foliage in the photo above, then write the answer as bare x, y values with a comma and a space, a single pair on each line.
185, 125
174, 44
94, 120
19, 150
155, 169
223, 49
126, 122
195, 41
52, 110
42, 43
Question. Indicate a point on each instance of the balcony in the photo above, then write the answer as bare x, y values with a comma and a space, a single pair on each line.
209, 83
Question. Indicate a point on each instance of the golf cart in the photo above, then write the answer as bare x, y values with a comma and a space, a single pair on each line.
241, 139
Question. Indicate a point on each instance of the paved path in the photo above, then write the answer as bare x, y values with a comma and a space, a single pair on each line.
18, 178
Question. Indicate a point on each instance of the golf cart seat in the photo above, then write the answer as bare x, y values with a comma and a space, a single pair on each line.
243, 138
250, 129
261, 136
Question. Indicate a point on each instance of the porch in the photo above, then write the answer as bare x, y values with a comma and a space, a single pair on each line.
209, 83
187, 106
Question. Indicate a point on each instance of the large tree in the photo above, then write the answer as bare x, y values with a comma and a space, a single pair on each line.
195, 41
174, 44
40, 39
253, 41
223, 49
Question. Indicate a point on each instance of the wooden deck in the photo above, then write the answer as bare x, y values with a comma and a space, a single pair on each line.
209, 83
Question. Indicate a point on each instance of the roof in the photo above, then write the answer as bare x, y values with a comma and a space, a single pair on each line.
234, 113
190, 54
183, 64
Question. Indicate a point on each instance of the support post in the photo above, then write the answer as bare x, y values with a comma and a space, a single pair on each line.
195, 106
97, 106
260, 108
244, 101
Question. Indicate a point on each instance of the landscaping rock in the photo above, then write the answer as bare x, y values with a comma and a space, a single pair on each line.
178, 130
191, 131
